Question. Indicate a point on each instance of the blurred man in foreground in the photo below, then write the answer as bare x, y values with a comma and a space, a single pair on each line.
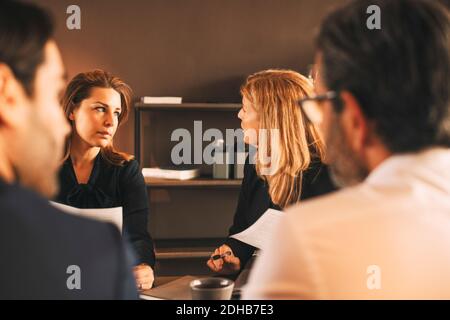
383, 102
45, 254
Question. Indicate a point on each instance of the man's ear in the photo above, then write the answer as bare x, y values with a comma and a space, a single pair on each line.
354, 123
71, 116
12, 97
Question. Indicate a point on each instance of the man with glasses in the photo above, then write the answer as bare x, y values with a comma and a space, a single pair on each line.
383, 105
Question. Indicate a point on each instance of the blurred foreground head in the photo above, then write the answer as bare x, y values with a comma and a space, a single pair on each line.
32, 124
391, 86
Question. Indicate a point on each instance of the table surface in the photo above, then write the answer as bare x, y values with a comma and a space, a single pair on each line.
240, 281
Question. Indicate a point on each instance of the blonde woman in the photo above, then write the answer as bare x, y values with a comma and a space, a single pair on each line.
295, 171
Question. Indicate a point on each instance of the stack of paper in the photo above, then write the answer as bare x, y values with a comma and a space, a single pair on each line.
161, 100
170, 173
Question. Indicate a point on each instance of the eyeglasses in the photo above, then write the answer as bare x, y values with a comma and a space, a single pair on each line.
311, 105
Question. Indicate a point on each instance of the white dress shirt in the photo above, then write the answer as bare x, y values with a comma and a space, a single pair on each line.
386, 238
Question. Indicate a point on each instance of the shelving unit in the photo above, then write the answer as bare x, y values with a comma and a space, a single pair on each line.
192, 252
193, 183
189, 106
142, 107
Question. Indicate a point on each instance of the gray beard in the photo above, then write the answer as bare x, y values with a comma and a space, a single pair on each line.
346, 169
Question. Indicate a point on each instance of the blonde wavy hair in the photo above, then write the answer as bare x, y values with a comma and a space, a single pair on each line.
275, 94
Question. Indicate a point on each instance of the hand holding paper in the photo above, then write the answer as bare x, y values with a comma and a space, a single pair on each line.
261, 231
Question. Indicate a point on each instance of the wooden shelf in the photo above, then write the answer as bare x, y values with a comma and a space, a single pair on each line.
186, 248
184, 253
188, 106
193, 183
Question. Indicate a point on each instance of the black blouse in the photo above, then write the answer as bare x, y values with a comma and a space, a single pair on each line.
113, 186
254, 200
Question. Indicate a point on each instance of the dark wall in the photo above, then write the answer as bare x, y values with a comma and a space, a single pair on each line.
198, 49
201, 50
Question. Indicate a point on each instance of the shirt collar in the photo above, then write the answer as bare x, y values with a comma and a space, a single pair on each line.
432, 164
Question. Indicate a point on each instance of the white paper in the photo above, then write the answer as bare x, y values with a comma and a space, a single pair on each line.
161, 100
144, 297
113, 215
262, 230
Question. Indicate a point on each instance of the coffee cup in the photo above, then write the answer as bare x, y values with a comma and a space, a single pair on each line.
212, 288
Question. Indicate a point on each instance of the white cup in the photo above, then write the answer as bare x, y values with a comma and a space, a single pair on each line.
212, 288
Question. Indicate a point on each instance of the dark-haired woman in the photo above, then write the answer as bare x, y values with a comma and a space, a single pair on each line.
94, 173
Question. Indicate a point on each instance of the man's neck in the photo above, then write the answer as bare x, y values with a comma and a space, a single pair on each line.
6, 169
376, 155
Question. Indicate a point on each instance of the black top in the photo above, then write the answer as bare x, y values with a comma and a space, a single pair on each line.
113, 186
254, 200
38, 244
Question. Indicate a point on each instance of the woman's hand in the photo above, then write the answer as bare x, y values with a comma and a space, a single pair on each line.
229, 264
143, 274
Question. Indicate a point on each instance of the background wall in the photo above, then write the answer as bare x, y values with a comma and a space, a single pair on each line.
201, 50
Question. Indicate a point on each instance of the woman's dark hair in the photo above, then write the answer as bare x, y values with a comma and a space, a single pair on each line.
24, 31
79, 89
400, 74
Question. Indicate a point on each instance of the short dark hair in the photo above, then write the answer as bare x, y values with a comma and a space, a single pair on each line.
24, 31
400, 74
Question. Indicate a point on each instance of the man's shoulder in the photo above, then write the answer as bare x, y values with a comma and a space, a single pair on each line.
36, 234
330, 208
30, 209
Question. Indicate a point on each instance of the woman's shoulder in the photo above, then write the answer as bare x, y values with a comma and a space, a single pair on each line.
316, 165
249, 168
121, 165
65, 166
130, 167
131, 164
126, 169
315, 170
316, 180
130, 173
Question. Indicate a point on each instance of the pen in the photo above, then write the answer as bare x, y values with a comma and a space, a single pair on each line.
218, 256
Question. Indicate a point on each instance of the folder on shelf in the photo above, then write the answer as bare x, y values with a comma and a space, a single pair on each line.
174, 173
161, 100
